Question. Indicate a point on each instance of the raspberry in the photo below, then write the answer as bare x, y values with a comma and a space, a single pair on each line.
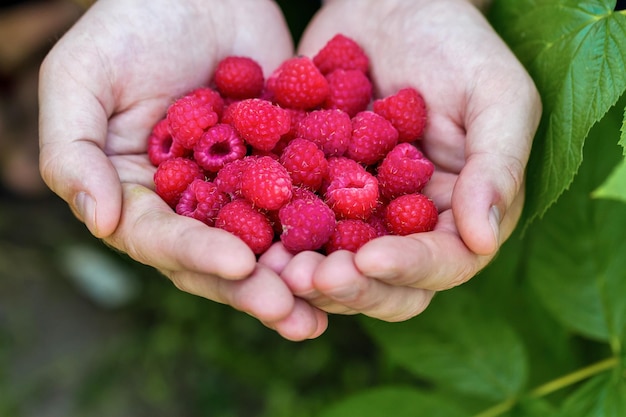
219, 145
350, 235
161, 146
259, 122
172, 177
329, 129
202, 201
305, 163
228, 179
307, 224
341, 52
189, 118
210, 98
239, 77
241, 219
340, 165
372, 137
411, 213
353, 194
406, 110
266, 183
405, 170
350, 91
298, 84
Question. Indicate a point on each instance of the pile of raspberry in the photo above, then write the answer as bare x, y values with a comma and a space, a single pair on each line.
307, 156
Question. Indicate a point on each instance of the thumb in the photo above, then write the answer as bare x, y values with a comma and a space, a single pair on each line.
72, 133
488, 196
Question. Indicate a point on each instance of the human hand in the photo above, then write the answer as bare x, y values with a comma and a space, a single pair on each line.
483, 113
102, 88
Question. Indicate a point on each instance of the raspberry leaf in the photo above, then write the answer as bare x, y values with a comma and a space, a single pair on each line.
576, 53
575, 261
396, 402
615, 186
458, 344
603, 396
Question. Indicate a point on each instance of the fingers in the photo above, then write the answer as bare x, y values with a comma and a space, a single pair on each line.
151, 233
263, 295
339, 279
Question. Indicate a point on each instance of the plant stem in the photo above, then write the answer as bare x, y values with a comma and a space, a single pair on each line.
553, 386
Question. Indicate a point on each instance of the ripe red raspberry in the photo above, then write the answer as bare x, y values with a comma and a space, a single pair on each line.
239, 77
210, 98
350, 235
228, 179
218, 146
259, 122
411, 213
352, 194
406, 110
246, 222
188, 119
340, 165
405, 170
172, 177
266, 183
307, 224
298, 84
161, 146
202, 201
372, 137
341, 52
305, 163
329, 129
350, 91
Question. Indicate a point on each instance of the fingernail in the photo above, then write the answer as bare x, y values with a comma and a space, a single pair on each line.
494, 220
86, 208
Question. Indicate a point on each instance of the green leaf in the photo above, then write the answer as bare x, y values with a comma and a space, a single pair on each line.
576, 260
602, 396
533, 407
614, 187
576, 53
393, 401
458, 344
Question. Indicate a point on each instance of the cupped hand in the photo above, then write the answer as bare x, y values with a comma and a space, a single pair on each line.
483, 113
102, 88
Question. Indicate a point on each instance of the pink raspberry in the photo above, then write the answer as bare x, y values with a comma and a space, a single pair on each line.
405, 170
305, 163
218, 146
246, 222
340, 165
210, 98
411, 213
406, 110
350, 91
266, 183
352, 194
350, 235
372, 137
298, 84
260, 123
161, 146
202, 201
188, 119
239, 77
341, 52
228, 179
172, 177
307, 224
329, 129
